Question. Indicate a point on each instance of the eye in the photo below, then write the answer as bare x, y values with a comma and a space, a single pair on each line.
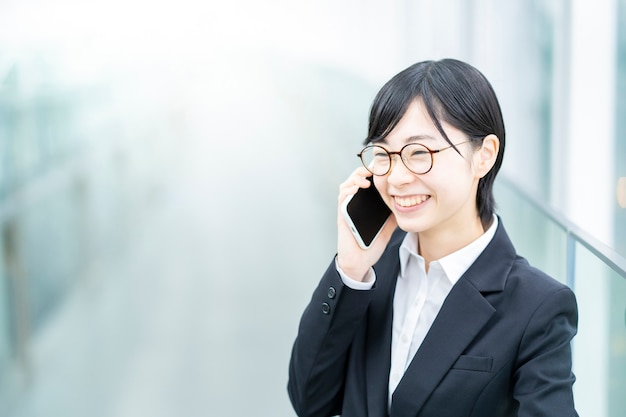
380, 154
419, 152
377, 152
416, 151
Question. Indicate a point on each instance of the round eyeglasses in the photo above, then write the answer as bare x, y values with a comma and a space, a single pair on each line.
416, 157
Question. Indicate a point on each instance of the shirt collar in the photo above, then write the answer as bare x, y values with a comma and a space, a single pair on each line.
455, 264
408, 249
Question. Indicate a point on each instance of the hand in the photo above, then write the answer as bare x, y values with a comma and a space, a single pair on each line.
353, 260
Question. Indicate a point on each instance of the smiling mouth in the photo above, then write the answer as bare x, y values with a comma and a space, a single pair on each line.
411, 201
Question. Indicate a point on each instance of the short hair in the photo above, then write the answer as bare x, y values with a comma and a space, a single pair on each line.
453, 92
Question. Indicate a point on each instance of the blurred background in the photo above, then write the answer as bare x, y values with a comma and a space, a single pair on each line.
169, 170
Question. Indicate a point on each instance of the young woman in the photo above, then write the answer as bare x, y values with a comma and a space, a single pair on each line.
439, 316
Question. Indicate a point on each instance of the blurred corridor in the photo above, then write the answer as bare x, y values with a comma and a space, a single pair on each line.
169, 173
196, 312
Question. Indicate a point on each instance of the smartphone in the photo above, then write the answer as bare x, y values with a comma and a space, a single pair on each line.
366, 213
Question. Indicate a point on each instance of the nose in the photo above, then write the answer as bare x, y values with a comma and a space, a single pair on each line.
398, 173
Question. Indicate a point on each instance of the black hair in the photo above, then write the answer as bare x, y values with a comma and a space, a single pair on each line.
453, 92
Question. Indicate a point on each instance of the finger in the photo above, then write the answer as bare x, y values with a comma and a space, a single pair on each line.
352, 184
362, 173
358, 177
347, 191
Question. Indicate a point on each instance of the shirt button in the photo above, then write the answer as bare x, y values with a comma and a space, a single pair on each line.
405, 338
325, 308
331, 292
395, 377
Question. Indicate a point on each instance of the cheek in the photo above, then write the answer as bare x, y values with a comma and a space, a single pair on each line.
378, 183
381, 185
453, 183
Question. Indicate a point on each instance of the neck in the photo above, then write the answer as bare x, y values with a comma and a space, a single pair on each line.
436, 244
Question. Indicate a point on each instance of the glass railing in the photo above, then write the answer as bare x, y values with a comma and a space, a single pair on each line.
598, 276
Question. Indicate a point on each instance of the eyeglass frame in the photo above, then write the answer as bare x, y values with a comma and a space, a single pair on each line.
432, 152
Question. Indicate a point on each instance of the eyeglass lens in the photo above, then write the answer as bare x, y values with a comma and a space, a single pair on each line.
417, 158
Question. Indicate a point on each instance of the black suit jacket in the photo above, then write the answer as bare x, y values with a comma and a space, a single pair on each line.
499, 347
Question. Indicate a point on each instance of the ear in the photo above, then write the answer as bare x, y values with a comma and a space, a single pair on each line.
485, 157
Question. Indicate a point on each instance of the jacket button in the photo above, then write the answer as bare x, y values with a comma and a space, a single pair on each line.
325, 308
331, 293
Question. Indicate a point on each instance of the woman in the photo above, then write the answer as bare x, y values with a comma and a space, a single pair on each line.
439, 316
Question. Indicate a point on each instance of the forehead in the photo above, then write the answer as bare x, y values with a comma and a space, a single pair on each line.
416, 125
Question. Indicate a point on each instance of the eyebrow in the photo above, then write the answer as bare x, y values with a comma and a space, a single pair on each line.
413, 139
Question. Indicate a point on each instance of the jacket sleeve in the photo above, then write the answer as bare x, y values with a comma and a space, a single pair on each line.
320, 352
543, 378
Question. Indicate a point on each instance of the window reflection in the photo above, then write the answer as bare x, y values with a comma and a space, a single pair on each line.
619, 233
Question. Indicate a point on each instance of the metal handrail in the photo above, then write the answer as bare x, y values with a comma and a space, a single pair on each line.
574, 234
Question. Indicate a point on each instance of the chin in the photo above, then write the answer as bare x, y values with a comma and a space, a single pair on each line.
411, 225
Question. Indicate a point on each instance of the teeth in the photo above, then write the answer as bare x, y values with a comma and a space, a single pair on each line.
410, 201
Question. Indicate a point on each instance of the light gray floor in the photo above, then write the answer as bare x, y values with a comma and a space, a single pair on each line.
197, 316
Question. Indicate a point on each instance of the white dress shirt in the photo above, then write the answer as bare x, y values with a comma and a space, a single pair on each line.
419, 295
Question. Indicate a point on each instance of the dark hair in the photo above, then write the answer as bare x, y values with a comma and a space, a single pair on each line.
453, 92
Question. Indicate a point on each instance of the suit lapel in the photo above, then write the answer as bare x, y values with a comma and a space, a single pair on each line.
463, 314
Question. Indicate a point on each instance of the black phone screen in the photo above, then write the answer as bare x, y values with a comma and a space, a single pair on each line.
368, 213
